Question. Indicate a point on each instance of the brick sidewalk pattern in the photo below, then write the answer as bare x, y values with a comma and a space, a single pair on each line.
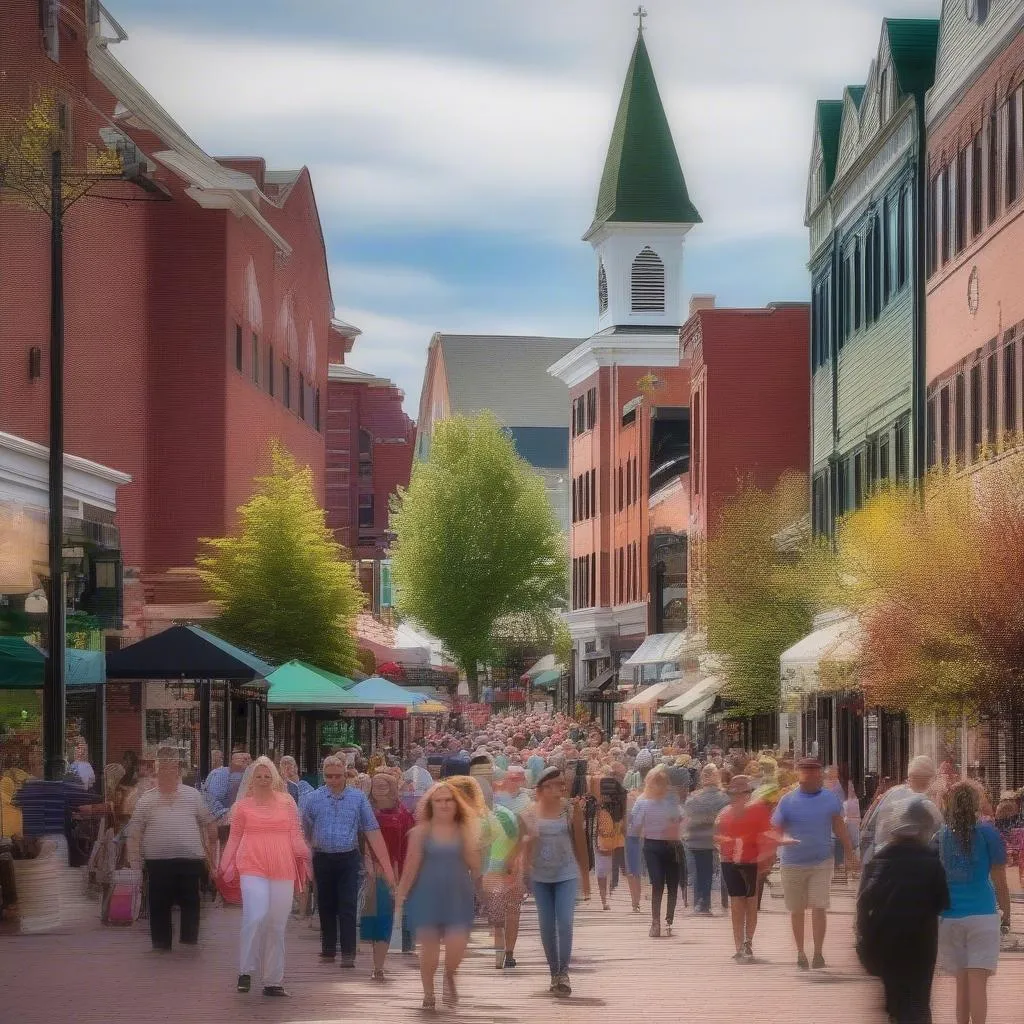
95, 975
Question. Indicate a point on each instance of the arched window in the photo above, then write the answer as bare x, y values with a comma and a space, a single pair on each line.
648, 282
602, 289
365, 455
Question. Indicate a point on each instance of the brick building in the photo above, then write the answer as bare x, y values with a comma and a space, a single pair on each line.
630, 399
750, 417
197, 308
975, 235
370, 443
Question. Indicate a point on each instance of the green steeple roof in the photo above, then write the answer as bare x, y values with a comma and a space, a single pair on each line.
642, 181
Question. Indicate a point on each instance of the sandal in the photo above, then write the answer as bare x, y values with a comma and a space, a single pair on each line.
377, 974
655, 931
429, 1003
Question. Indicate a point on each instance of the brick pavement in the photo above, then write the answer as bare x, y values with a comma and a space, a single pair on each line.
91, 974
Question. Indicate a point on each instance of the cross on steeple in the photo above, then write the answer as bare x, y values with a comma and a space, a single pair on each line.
640, 13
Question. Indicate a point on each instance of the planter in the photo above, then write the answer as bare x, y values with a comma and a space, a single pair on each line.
38, 884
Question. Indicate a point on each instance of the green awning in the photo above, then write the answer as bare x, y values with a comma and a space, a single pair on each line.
546, 680
22, 665
305, 687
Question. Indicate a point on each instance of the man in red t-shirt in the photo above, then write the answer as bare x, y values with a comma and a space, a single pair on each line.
745, 839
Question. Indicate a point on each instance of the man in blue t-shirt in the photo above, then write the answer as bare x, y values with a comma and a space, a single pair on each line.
807, 817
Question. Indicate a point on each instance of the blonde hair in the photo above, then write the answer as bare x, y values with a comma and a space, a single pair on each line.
654, 776
710, 776
472, 794
425, 808
277, 784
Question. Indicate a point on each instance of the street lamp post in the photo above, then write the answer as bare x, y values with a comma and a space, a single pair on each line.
54, 688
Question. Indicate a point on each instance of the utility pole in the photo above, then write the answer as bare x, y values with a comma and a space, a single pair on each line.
54, 690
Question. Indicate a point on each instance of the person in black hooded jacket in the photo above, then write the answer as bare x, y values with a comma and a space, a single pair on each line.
902, 893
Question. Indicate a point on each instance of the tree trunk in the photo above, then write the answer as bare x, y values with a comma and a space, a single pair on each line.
473, 681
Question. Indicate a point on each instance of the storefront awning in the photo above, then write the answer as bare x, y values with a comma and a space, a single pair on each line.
302, 687
650, 695
695, 702
378, 692
658, 649
596, 689
835, 642
546, 680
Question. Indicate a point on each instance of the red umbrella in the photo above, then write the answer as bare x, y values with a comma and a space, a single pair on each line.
391, 670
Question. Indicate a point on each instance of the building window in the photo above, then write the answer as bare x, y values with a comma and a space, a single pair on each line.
238, 347
621, 499
593, 492
944, 426
647, 282
286, 385
1012, 138
932, 437
602, 289
886, 251
960, 218
883, 459
696, 452
302, 396
869, 276
883, 95
858, 277
902, 234
575, 500
933, 225
959, 420
977, 190
975, 412
256, 358
270, 370
858, 479
993, 167
366, 520
902, 452
993, 399
876, 271
591, 408
946, 225
1010, 387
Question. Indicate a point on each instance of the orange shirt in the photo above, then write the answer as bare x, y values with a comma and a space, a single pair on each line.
742, 836
266, 839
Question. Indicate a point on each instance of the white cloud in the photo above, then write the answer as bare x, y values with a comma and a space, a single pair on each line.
359, 282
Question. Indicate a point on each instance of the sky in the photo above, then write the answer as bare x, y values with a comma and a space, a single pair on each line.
456, 146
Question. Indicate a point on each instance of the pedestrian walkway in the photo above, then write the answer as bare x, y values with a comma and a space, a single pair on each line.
95, 975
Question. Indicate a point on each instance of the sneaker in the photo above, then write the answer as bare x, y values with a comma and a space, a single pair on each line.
327, 958
510, 961
274, 990
748, 952
739, 956
801, 962
562, 986
348, 961
818, 962
244, 983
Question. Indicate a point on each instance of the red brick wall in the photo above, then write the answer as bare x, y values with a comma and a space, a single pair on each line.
124, 720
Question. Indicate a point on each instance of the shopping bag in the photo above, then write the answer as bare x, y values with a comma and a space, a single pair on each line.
125, 899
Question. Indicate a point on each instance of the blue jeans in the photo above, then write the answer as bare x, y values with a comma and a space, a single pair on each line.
556, 904
703, 876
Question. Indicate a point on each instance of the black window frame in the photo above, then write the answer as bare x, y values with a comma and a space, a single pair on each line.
960, 420
255, 357
960, 200
239, 348
977, 424
992, 400
1010, 387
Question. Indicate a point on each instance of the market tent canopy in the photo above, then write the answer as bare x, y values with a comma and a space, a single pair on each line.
540, 667
22, 665
658, 649
658, 691
303, 687
377, 692
696, 701
836, 639
185, 652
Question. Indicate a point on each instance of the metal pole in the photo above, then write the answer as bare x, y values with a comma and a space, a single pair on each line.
204, 729
53, 680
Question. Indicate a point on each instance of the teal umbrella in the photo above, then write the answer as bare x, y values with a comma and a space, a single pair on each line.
22, 665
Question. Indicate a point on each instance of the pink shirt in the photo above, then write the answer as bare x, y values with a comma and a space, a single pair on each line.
266, 839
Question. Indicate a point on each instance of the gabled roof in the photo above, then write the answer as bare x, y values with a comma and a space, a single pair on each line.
913, 43
856, 94
829, 118
508, 375
643, 180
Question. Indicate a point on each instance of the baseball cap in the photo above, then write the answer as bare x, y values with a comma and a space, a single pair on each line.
808, 762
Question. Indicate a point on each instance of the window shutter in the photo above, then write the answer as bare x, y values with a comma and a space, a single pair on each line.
648, 283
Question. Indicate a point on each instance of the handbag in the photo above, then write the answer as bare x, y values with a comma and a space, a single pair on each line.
125, 899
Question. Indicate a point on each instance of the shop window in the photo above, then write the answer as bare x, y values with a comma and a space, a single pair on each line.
238, 347
976, 426
1010, 387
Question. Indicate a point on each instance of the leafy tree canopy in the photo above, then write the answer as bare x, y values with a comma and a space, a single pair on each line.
478, 541
760, 595
285, 586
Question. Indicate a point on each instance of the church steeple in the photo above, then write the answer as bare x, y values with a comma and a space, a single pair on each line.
643, 210
643, 180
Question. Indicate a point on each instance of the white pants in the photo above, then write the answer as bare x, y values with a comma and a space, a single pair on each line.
266, 904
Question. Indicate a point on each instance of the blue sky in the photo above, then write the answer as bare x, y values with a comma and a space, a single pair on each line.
456, 145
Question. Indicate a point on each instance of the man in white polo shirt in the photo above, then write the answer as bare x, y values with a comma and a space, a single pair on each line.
167, 832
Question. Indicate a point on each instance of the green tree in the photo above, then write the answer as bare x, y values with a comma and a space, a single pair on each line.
765, 582
285, 586
477, 541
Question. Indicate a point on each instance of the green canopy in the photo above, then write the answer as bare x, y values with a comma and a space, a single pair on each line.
546, 680
305, 687
22, 665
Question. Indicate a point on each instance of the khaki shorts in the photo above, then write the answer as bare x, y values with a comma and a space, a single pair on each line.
807, 886
969, 943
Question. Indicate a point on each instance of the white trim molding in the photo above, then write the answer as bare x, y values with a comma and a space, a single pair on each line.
655, 349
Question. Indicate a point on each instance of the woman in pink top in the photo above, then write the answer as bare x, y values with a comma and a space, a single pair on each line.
267, 851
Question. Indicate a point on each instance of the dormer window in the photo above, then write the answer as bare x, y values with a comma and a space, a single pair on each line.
647, 282
602, 289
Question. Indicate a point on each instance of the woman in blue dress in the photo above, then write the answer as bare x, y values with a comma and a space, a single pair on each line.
438, 884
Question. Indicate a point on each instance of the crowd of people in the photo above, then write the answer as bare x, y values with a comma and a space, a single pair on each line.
409, 853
